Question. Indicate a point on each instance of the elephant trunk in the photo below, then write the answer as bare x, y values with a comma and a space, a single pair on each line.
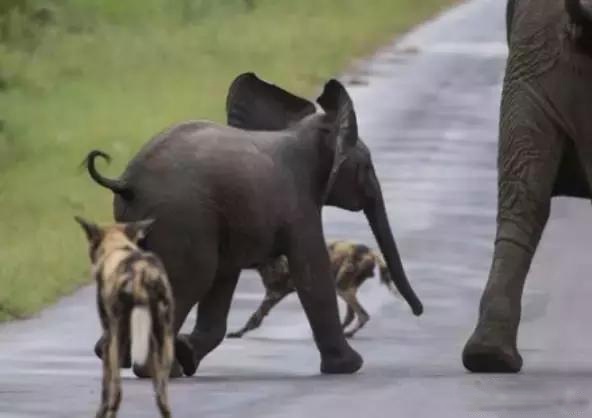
376, 214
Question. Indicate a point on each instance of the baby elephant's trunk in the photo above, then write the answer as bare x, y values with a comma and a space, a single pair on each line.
140, 329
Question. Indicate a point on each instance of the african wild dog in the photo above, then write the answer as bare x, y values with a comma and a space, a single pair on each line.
351, 265
135, 307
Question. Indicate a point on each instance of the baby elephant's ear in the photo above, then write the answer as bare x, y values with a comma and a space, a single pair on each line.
93, 232
336, 102
340, 112
256, 105
137, 231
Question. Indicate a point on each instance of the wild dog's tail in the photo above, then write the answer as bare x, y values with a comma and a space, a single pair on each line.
140, 329
385, 275
116, 186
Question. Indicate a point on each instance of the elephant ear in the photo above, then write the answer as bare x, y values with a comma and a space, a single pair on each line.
253, 104
339, 108
579, 11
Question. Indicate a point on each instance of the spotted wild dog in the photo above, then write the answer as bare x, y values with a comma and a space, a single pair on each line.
135, 307
351, 264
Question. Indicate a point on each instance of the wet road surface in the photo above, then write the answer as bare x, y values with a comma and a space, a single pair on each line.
428, 109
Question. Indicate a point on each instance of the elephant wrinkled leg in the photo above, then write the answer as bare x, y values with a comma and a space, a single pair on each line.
492, 348
529, 160
210, 328
310, 270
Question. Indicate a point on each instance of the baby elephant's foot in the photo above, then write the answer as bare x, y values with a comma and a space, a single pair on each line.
346, 361
145, 372
185, 354
125, 360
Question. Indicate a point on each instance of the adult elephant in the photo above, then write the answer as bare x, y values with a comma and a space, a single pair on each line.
225, 199
545, 150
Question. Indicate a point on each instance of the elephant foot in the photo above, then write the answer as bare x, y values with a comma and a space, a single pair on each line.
145, 372
125, 360
482, 355
186, 355
347, 361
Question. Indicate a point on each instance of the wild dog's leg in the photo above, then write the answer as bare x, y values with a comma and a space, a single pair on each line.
271, 299
344, 281
162, 357
310, 269
349, 316
352, 301
111, 393
210, 327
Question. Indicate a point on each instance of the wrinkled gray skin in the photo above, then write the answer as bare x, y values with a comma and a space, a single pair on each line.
545, 150
227, 198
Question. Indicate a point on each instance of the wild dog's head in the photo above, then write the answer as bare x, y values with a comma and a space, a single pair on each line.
102, 239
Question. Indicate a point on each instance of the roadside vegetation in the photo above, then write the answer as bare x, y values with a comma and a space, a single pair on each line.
108, 74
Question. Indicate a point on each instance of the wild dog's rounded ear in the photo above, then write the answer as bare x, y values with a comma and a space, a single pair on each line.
93, 232
579, 11
254, 104
137, 231
339, 107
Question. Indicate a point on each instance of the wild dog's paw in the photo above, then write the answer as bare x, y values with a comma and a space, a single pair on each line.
347, 361
185, 354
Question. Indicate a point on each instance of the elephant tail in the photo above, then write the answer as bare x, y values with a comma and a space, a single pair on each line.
116, 186
384, 273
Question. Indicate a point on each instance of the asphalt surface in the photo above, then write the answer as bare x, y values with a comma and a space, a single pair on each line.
428, 109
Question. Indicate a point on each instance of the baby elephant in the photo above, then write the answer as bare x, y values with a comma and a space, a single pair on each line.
351, 265
135, 306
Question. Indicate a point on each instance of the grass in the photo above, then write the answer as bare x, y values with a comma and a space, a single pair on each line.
109, 74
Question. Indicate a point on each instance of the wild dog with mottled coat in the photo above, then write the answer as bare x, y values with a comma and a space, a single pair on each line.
351, 264
135, 307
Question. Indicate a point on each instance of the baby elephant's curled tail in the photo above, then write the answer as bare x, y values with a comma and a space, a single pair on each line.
385, 275
140, 329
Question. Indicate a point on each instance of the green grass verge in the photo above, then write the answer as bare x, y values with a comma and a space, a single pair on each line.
109, 74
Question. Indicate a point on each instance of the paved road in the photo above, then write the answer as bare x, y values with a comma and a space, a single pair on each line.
428, 110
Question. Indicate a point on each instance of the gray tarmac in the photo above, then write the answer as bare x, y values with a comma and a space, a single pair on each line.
428, 109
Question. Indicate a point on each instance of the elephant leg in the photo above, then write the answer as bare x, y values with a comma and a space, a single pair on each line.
529, 158
210, 328
311, 273
271, 299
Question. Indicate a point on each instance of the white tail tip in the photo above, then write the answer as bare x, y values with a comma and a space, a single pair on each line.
141, 328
